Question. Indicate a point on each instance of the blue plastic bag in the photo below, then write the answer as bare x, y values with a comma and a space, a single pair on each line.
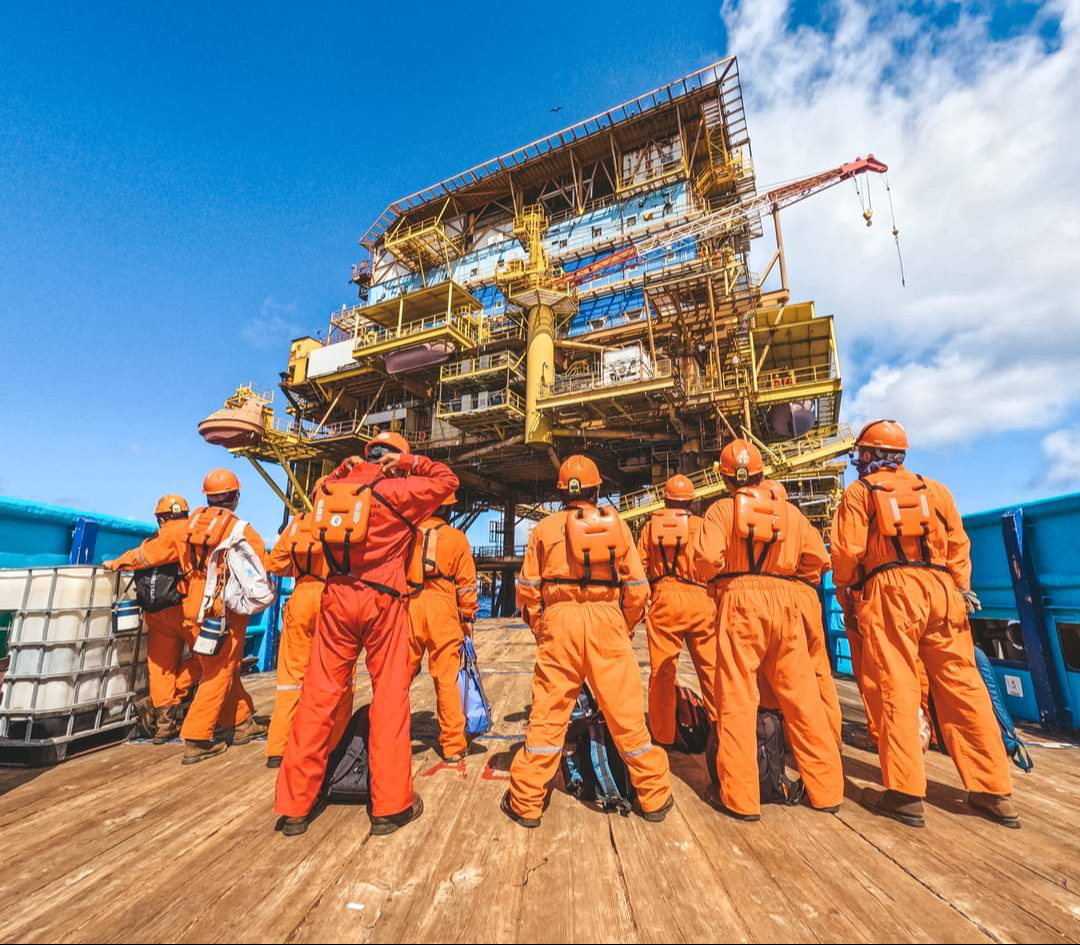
474, 703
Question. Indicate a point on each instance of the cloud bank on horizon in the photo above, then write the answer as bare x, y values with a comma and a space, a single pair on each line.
983, 147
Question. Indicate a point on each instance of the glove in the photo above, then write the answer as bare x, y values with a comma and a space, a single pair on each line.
971, 600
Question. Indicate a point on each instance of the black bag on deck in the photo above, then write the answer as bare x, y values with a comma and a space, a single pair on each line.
691, 722
158, 588
346, 776
775, 786
592, 768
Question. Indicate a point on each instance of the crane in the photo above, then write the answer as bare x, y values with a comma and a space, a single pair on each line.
705, 224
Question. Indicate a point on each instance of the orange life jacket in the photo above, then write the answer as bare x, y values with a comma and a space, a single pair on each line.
305, 550
340, 519
206, 529
903, 507
669, 531
595, 538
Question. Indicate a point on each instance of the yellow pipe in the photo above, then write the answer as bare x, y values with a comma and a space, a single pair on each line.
539, 373
297, 487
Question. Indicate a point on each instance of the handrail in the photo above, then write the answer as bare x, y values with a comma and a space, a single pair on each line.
636, 372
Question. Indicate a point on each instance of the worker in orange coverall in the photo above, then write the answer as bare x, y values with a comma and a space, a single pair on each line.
901, 557
170, 675
816, 641
755, 545
440, 616
298, 554
681, 611
582, 590
365, 606
221, 700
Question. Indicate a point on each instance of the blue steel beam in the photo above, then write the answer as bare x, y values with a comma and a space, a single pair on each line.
1049, 694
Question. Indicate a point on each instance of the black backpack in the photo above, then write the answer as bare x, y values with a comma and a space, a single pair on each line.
158, 588
346, 776
592, 768
775, 786
692, 722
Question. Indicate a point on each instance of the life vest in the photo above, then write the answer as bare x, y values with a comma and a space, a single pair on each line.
429, 547
761, 520
669, 534
206, 529
340, 519
305, 550
595, 540
903, 507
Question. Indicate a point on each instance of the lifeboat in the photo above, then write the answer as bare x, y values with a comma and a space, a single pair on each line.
418, 357
232, 427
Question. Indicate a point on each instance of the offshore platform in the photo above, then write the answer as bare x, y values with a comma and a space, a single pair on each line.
587, 292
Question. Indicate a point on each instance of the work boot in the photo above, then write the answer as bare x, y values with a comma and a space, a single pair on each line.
166, 729
384, 824
273, 761
996, 807
655, 816
195, 751
146, 714
906, 808
504, 806
293, 826
247, 731
713, 799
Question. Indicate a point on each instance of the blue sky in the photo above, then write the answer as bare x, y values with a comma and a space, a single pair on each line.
182, 187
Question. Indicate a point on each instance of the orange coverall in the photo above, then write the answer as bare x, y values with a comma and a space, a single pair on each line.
681, 611
761, 628
170, 676
294, 649
910, 614
366, 609
435, 617
221, 699
582, 633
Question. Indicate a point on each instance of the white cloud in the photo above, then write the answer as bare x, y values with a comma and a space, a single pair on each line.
984, 154
1061, 449
273, 324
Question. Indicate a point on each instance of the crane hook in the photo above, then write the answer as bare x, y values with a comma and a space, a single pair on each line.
867, 215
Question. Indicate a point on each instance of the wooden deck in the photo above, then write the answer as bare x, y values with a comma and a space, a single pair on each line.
125, 845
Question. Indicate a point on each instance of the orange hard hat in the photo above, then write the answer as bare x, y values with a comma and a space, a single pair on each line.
171, 503
740, 460
577, 473
883, 435
220, 481
450, 499
679, 488
389, 440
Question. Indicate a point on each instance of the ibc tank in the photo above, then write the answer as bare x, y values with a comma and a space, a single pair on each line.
794, 419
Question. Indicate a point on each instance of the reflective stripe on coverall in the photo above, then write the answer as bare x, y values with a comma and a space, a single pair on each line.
760, 628
911, 614
435, 617
354, 616
681, 611
582, 633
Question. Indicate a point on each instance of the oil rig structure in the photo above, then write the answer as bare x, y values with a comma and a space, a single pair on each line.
587, 292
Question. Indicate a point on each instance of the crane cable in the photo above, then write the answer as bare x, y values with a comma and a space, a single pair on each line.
895, 233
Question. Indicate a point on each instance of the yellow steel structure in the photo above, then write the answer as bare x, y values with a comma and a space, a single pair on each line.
590, 291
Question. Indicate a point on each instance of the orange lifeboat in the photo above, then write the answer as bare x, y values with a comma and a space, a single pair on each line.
233, 427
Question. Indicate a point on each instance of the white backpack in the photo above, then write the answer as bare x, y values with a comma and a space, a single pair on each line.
248, 589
